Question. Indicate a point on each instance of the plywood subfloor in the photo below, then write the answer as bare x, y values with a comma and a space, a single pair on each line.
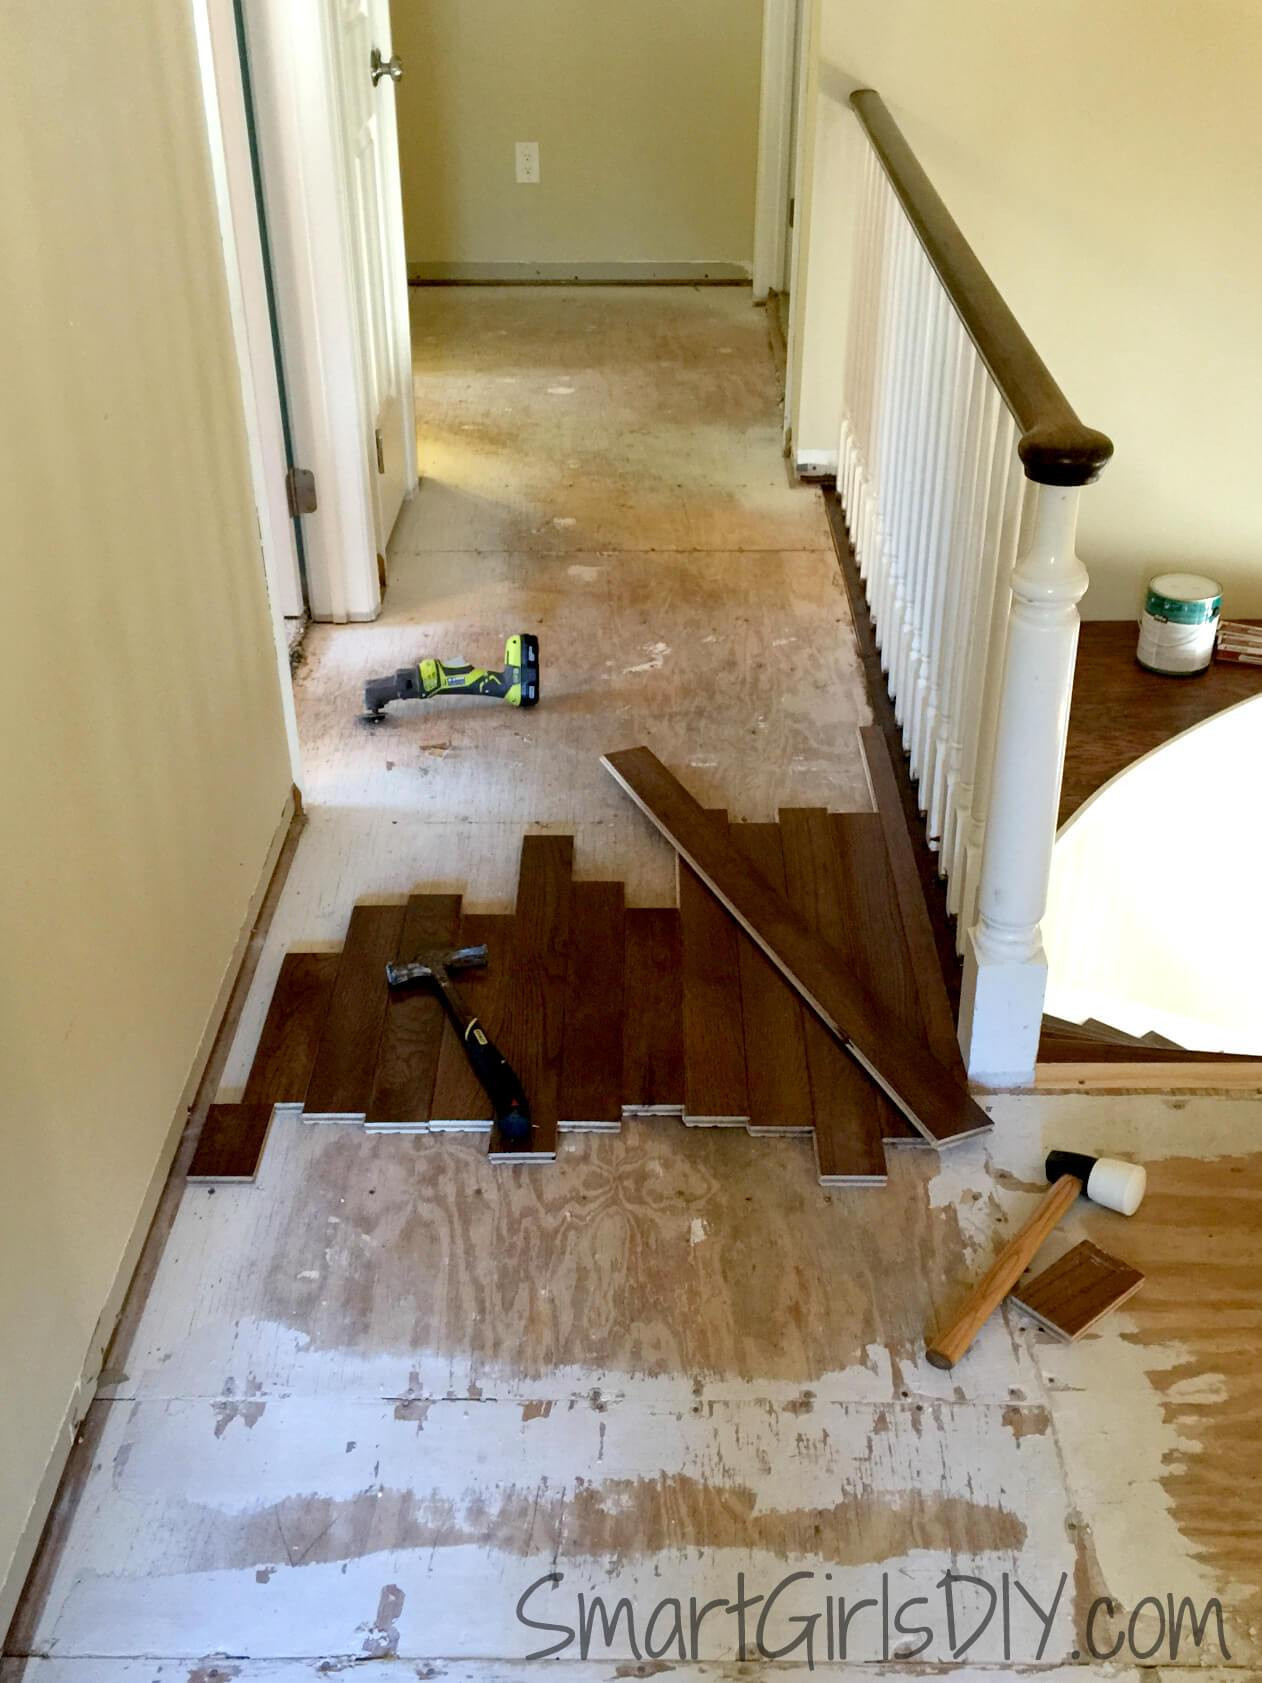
374, 1396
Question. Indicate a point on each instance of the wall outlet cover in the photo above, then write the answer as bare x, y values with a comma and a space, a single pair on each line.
527, 163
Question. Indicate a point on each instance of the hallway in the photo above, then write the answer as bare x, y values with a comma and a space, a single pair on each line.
371, 1400
602, 466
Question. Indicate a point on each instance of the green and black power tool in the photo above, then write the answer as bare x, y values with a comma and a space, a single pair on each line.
517, 684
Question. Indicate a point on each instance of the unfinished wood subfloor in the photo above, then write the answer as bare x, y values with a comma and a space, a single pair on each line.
348, 1431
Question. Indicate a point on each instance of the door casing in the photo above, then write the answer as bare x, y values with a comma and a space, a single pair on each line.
294, 76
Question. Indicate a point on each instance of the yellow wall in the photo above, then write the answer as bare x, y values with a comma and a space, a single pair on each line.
144, 768
1102, 158
646, 114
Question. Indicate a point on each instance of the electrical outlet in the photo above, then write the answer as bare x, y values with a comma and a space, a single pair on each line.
527, 163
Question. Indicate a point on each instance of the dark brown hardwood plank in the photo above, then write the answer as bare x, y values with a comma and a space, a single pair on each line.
850, 1120
775, 1041
534, 1005
231, 1142
459, 1103
653, 1012
1076, 1292
874, 944
407, 1060
715, 1089
1119, 711
591, 1058
291, 1032
937, 1019
341, 1082
931, 1096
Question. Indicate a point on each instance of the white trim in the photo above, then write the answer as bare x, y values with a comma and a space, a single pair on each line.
586, 274
815, 464
219, 64
94, 1356
292, 72
775, 123
392, 193
803, 180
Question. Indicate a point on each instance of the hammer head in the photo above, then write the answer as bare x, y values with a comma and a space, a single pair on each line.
435, 964
1107, 1181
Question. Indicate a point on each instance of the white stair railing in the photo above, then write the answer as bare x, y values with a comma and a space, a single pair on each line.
959, 470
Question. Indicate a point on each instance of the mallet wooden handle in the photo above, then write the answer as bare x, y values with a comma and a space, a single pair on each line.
1013, 1260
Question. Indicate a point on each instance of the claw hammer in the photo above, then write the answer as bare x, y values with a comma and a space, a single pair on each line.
492, 1068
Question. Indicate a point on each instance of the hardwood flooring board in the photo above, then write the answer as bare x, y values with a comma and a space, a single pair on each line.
775, 1042
653, 1010
287, 1046
875, 944
931, 1096
533, 1006
230, 1145
850, 1114
407, 1062
341, 1081
715, 1088
1073, 1294
591, 1060
936, 1015
460, 1103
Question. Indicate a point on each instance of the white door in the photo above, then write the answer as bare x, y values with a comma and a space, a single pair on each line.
367, 87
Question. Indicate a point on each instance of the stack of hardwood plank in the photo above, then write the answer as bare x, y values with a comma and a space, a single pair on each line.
607, 1011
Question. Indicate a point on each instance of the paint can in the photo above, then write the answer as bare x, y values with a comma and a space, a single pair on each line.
1179, 623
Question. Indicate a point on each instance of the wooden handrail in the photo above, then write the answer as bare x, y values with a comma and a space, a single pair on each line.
1055, 447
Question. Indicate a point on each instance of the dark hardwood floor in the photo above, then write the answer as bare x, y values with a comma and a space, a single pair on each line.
1120, 711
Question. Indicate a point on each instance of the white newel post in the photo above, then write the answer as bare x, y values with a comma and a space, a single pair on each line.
1005, 970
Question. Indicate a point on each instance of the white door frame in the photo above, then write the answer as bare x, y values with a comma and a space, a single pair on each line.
775, 121
304, 194
293, 79
232, 174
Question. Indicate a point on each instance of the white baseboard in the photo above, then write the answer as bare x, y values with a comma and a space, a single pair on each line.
583, 274
94, 1358
815, 464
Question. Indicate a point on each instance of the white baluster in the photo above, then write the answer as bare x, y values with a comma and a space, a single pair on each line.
1005, 970
972, 378
944, 326
904, 432
882, 595
971, 565
1014, 537
1003, 463
923, 349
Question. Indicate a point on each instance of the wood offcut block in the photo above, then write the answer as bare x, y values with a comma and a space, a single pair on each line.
1074, 1293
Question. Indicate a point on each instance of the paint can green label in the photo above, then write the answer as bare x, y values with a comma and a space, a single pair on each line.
1179, 623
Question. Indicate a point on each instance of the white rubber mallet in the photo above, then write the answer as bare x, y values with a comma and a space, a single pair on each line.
1107, 1181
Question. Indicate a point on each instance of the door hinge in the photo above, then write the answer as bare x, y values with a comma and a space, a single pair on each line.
381, 451
793, 205
300, 489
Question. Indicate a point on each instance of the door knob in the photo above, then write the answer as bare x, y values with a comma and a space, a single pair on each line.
391, 67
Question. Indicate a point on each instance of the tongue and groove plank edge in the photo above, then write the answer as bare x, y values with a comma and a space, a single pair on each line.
715, 1090
341, 1082
933, 1098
